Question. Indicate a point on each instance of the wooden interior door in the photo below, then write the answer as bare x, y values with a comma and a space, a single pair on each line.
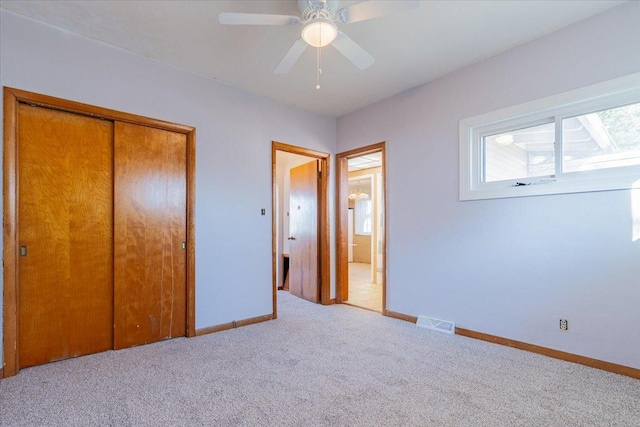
303, 231
149, 235
65, 232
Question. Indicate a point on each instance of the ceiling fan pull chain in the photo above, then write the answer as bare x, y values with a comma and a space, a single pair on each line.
318, 70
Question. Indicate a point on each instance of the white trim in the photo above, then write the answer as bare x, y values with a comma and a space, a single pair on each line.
609, 94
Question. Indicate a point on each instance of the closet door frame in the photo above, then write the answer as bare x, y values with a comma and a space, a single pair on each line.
12, 98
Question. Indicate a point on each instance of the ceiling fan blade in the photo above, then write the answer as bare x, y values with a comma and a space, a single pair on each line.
291, 57
231, 18
353, 51
374, 9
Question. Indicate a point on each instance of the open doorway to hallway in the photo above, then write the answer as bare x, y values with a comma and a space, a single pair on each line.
300, 238
361, 228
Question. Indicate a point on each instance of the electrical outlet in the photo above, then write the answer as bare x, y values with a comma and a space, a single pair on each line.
564, 325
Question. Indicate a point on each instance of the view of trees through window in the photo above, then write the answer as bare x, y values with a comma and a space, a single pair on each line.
623, 125
616, 134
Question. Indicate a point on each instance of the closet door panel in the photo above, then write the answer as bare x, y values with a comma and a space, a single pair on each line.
65, 230
149, 231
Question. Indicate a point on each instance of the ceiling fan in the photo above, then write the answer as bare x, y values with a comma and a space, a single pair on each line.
319, 18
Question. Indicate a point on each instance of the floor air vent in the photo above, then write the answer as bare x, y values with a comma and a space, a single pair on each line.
438, 325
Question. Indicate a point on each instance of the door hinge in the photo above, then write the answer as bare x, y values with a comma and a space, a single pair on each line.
319, 175
319, 281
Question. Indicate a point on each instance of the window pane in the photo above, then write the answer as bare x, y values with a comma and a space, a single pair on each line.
600, 140
363, 217
519, 154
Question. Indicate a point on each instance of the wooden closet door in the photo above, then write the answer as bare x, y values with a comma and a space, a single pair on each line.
149, 231
65, 227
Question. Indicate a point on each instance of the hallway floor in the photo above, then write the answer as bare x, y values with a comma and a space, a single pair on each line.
362, 292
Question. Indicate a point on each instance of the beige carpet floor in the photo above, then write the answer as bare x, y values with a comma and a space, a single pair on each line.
319, 366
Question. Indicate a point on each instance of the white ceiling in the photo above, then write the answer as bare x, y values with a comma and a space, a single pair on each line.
371, 160
410, 48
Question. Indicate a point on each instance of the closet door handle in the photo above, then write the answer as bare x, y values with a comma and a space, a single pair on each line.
23, 250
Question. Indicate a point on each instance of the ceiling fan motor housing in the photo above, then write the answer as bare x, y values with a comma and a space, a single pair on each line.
311, 9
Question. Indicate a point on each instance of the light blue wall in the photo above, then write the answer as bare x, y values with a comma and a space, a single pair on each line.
510, 267
233, 148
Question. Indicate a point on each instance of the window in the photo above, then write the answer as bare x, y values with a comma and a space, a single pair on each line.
521, 153
363, 212
603, 139
584, 140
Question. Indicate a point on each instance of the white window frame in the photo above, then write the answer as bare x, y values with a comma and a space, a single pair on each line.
553, 109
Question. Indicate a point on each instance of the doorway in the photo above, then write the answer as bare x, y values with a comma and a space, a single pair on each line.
300, 229
361, 228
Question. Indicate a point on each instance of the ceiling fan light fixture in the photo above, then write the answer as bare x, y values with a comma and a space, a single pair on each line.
319, 33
